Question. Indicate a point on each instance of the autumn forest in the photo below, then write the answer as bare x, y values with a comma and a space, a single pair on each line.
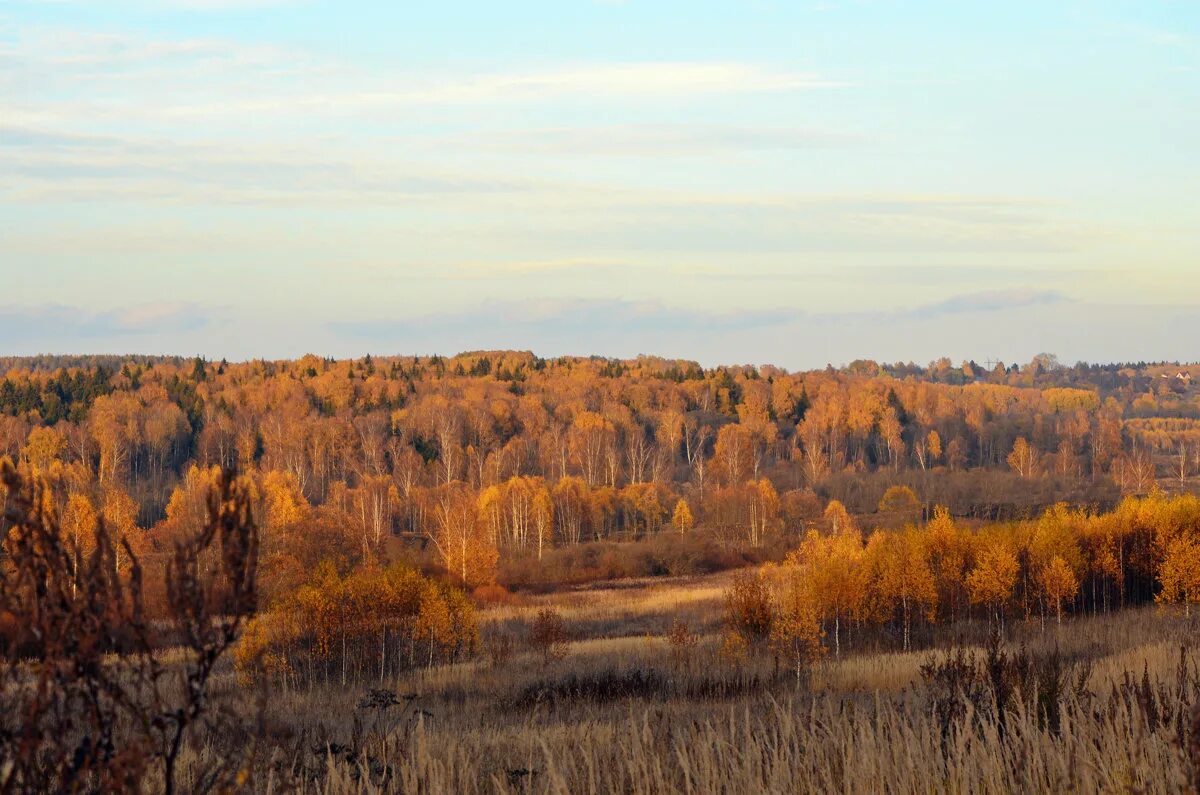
390, 523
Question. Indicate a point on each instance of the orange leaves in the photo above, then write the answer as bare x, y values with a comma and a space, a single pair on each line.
901, 501
796, 629
283, 502
79, 522
933, 443
646, 504
764, 511
839, 518
331, 615
1179, 572
591, 439
445, 621
462, 541
1058, 583
948, 547
188, 506
572, 508
748, 609
518, 514
833, 569
992, 579
734, 453
903, 581
746, 513
777, 606
120, 513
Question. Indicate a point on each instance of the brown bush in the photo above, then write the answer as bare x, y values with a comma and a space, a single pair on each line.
683, 642
548, 635
72, 715
494, 594
996, 682
499, 649
748, 609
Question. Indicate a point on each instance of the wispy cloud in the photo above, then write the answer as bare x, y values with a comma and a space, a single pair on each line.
655, 140
132, 78
619, 83
992, 301
570, 316
55, 324
576, 315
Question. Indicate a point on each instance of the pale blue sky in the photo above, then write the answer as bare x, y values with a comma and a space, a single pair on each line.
792, 182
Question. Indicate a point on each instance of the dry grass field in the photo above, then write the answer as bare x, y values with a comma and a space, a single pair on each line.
623, 710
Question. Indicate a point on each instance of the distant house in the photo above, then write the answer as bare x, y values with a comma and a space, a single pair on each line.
1184, 376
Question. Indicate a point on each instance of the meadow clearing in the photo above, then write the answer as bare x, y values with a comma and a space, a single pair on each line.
622, 708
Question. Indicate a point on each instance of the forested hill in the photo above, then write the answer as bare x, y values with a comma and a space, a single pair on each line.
602, 448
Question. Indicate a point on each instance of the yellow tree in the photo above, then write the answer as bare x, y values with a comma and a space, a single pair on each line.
649, 507
543, 517
902, 577
764, 510
79, 524
734, 453
901, 502
833, 566
1056, 537
1179, 573
1058, 583
682, 519
838, 517
283, 502
44, 445
948, 549
992, 579
434, 623
461, 539
490, 504
120, 513
933, 446
796, 628
187, 509
571, 508
1024, 458
374, 504
591, 437
113, 421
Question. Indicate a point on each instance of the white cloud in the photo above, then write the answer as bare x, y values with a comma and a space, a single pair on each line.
82, 77
656, 140
623, 83
62, 327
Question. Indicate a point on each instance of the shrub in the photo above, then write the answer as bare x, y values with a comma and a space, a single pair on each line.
734, 648
493, 594
748, 609
499, 649
1000, 681
74, 715
548, 635
682, 641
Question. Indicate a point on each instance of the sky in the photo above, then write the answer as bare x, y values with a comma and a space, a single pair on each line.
765, 181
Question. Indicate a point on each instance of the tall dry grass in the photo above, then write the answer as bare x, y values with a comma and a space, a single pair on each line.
623, 713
